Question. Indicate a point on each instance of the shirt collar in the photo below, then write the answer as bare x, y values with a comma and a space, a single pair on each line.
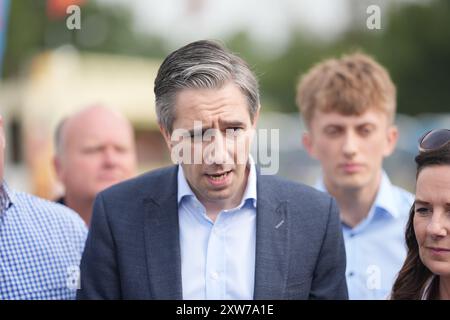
385, 199
184, 190
7, 197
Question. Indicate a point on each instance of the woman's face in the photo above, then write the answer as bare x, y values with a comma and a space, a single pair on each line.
432, 218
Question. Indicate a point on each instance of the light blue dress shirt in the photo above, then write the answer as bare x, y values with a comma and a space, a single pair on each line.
376, 248
217, 258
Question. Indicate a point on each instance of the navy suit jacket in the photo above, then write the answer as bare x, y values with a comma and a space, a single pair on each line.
133, 250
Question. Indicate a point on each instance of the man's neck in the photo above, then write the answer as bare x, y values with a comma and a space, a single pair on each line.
82, 207
355, 204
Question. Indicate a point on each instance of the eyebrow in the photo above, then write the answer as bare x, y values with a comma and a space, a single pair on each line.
193, 132
421, 202
424, 203
365, 124
233, 123
358, 125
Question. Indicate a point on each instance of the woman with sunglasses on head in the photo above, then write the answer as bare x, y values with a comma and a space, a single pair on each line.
426, 271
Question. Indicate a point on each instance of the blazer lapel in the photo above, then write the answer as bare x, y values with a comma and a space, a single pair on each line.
162, 240
272, 242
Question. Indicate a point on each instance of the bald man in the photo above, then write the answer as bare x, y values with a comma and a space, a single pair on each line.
95, 149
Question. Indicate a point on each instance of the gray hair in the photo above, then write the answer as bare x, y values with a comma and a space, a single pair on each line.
198, 65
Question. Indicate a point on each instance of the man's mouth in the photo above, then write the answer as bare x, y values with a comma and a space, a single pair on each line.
351, 167
218, 176
108, 177
219, 179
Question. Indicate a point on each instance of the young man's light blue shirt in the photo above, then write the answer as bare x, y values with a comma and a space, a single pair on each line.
375, 248
217, 258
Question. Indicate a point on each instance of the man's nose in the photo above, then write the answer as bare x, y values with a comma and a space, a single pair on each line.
217, 152
110, 157
350, 145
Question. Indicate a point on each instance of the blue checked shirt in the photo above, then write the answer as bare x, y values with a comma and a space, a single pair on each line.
41, 243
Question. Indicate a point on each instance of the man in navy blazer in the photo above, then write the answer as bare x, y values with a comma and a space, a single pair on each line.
214, 226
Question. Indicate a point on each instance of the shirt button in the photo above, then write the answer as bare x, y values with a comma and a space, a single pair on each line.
352, 235
214, 276
351, 274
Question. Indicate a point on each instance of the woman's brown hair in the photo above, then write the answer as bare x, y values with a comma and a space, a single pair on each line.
414, 275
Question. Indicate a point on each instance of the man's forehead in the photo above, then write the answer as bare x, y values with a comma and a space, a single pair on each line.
96, 125
335, 118
209, 118
209, 97
102, 133
87, 120
97, 135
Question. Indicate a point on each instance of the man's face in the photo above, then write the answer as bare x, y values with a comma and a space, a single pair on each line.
350, 148
220, 177
98, 152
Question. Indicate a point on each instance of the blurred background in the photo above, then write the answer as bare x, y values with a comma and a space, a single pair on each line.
49, 70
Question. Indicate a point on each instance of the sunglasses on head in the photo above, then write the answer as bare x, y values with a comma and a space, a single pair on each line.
434, 139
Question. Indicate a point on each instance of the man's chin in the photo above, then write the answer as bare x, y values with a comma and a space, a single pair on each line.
219, 195
354, 182
106, 184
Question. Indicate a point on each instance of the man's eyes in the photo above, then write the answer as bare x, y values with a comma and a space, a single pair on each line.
196, 134
91, 149
365, 131
333, 131
210, 133
235, 130
96, 149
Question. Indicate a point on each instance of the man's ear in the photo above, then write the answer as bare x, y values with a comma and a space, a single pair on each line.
166, 135
58, 167
392, 138
307, 143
